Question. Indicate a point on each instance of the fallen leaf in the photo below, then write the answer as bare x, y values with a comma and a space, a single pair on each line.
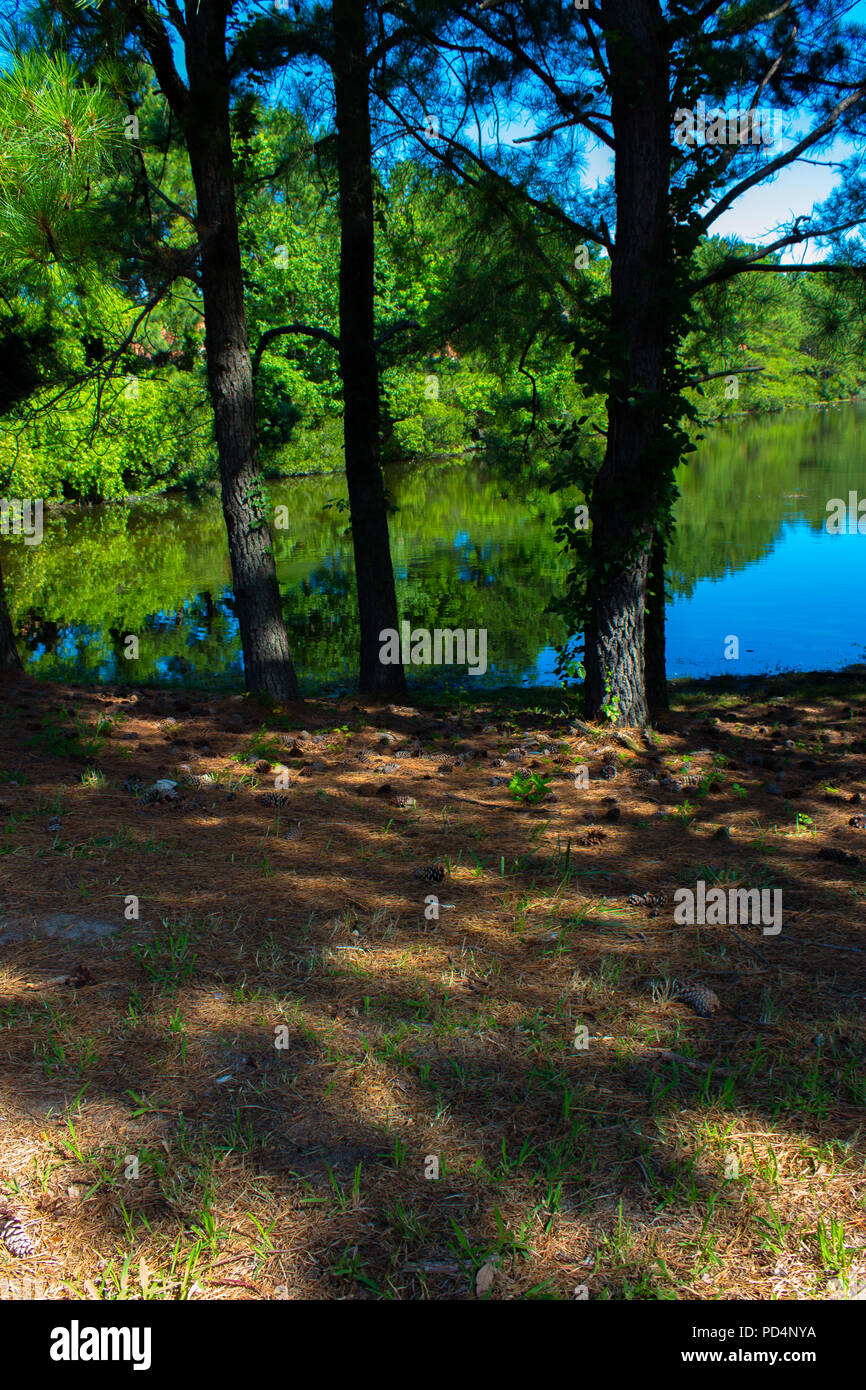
484, 1278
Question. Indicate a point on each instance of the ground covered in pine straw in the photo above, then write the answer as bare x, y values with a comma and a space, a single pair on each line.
154, 1139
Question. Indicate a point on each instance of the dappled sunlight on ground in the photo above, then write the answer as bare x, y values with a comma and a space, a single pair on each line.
155, 1137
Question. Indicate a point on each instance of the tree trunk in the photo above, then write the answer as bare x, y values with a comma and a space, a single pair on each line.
654, 638
359, 368
624, 495
9, 658
267, 659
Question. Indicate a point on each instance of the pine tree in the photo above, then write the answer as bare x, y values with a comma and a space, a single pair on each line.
631, 74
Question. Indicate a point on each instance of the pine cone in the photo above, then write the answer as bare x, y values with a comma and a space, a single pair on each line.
608, 771
592, 837
647, 899
162, 791
293, 831
405, 803
278, 799
839, 856
431, 873
642, 777
704, 1002
16, 1239
858, 822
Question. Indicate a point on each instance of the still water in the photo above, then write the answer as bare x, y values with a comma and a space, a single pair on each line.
753, 560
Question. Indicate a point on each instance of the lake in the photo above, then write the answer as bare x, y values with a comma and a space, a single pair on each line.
753, 561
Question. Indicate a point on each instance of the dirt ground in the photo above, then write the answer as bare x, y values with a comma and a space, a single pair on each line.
247, 1051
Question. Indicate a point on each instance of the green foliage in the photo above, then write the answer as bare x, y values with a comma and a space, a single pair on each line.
798, 331
610, 705
147, 441
529, 788
117, 403
102, 400
59, 137
65, 736
169, 958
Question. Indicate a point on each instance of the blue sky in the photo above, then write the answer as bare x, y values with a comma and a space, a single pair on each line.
759, 214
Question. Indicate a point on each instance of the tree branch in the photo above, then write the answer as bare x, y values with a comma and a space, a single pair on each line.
550, 209
394, 330
783, 160
150, 30
270, 334
727, 371
737, 264
819, 267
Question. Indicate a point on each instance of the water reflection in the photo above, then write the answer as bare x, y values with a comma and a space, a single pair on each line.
752, 560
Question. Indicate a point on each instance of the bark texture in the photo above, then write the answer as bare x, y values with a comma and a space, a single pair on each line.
359, 368
654, 629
